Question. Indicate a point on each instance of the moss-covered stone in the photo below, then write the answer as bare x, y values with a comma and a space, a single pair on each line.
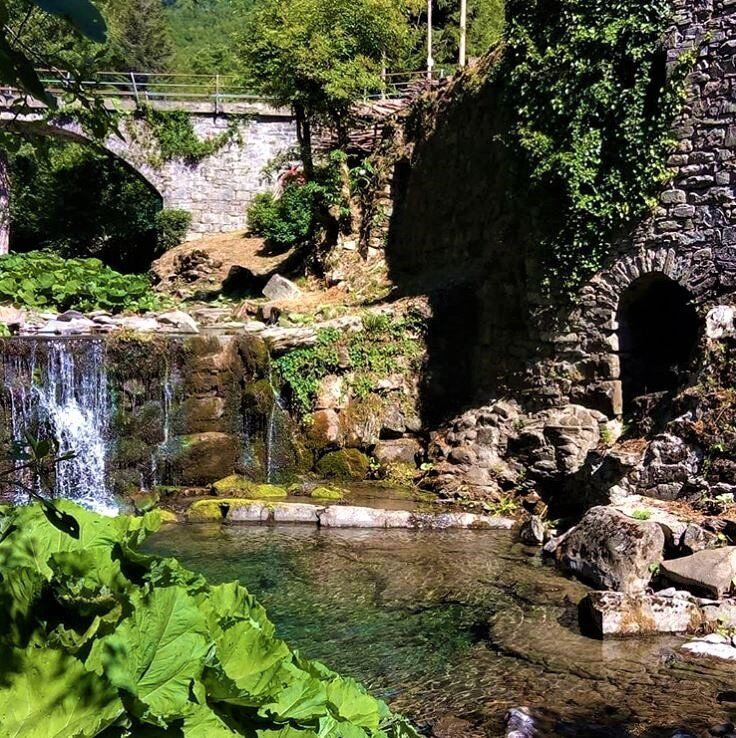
347, 463
168, 517
327, 493
240, 487
207, 511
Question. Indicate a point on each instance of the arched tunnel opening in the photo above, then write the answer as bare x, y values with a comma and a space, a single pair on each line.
82, 202
658, 332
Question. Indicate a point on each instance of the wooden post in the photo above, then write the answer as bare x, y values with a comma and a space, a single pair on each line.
463, 31
4, 204
430, 60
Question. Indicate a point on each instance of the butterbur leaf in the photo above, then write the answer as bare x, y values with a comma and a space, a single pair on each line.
81, 13
156, 653
201, 722
352, 703
49, 694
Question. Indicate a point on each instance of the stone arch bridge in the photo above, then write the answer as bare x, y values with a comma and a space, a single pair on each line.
215, 189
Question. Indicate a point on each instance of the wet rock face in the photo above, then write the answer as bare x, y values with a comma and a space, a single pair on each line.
611, 551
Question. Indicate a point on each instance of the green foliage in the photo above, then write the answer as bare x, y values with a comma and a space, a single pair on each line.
321, 56
171, 227
54, 207
641, 514
383, 347
593, 105
40, 279
176, 137
204, 33
289, 219
17, 64
140, 38
99, 638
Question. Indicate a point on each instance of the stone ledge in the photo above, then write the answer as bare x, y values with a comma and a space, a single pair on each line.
336, 516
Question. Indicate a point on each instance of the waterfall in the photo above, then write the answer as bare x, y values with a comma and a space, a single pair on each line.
59, 388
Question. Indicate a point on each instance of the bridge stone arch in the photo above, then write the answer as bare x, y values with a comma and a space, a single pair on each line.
216, 189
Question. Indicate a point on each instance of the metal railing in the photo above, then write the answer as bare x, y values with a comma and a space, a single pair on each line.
142, 88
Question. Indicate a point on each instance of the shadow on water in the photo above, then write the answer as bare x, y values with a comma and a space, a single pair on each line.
464, 624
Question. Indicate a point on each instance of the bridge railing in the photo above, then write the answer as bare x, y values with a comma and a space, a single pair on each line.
141, 88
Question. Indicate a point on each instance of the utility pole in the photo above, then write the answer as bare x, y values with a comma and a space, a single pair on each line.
430, 60
463, 31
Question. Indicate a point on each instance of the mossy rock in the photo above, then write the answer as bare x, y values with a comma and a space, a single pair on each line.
145, 501
207, 511
168, 517
327, 493
347, 463
240, 487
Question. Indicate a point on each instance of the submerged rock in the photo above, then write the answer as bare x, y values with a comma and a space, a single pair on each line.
711, 571
611, 551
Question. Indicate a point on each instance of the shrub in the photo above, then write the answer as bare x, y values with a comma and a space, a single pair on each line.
97, 638
171, 227
41, 279
289, 219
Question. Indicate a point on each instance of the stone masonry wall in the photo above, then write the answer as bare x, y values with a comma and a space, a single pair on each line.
691, 238
453, 233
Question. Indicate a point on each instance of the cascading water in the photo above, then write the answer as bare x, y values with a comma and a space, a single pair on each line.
59, 388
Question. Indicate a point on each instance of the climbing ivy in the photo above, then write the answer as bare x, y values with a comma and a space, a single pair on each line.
594, 104
177, 139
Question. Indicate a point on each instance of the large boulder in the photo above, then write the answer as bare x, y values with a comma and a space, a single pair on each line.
347, 463
612, 551
711, 572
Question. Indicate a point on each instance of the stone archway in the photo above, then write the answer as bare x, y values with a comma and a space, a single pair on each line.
658, 330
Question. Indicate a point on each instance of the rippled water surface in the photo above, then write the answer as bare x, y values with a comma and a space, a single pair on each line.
457, 625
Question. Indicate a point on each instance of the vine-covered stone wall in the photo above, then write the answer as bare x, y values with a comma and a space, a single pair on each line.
467, 227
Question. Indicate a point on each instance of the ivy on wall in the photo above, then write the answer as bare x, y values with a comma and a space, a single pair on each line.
177, 139
593, 102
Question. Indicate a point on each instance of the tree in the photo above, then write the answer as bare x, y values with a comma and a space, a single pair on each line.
140, 39
19, 58
320, 56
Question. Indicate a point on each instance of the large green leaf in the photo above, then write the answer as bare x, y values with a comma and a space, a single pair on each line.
247, 662
51, 695
201, 722
81, 13
353, 704
157, 653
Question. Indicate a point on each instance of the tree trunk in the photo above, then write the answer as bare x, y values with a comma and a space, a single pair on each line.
304, 136
4, 204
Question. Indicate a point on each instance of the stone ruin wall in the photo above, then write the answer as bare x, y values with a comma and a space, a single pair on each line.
449, 230
691, 238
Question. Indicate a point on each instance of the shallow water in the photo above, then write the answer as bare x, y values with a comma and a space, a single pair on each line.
457, 623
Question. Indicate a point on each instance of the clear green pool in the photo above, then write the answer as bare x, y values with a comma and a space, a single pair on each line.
457, 625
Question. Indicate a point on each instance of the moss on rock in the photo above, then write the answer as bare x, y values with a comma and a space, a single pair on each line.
347, 463
327, 493
240, 487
